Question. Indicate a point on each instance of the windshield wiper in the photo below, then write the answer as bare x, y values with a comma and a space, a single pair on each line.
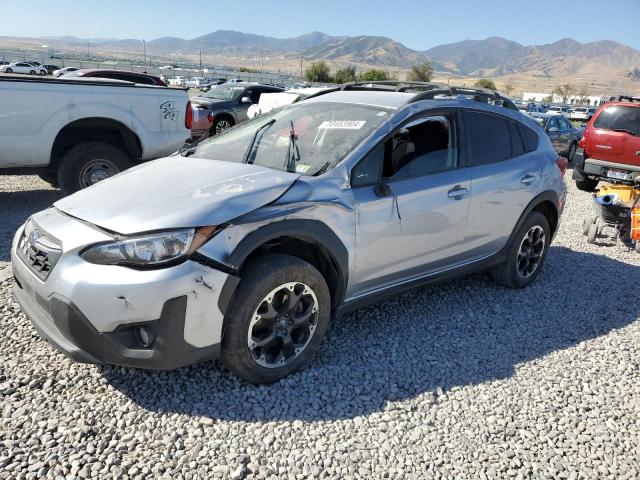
322, 169
624, 130
249, 150
293, 152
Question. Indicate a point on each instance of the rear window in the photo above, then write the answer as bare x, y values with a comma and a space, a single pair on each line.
619, 118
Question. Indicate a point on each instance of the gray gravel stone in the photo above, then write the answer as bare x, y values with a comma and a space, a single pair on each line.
455, 381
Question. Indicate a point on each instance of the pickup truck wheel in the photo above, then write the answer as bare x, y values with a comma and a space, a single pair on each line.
525, 253
277, 321
587, 185
89, 163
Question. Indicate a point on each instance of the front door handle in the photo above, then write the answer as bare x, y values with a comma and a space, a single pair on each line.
457, 192
528, 179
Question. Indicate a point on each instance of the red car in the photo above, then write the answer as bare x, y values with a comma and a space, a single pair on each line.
610, 145
142, 78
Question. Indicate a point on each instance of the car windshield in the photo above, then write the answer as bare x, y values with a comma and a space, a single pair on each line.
620, 118
323, 134
224, 92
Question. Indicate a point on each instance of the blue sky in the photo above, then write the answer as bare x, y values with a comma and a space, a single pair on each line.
419, 24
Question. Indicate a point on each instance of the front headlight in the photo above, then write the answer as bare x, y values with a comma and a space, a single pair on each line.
150, 250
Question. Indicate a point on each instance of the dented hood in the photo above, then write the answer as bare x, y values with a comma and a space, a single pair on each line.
176, 192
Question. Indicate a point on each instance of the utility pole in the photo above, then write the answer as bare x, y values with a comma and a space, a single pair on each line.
301, 60
261, 61
88, 51
201, 62
144, 48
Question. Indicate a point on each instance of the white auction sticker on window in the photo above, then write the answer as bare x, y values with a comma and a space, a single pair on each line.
343, 124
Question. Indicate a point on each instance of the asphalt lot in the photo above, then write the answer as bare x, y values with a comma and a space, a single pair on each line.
460, 380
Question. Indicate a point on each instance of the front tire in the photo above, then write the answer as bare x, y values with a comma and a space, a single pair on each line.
89, 163
32, 72
278, 319
526, 253
8, 70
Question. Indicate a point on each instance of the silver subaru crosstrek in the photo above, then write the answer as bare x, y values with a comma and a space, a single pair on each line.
243, 246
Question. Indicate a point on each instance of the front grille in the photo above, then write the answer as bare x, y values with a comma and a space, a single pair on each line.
39, 251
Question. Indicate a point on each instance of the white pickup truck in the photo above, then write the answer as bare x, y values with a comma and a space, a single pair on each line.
74, 133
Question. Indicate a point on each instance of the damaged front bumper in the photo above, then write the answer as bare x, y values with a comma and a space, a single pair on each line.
158, 319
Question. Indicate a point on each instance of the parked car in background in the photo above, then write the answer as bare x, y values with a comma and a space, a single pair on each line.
246, 246
610, 145
141, 78
74, 133
51, 68
212, 83
23, 67
63, 71
195, 82
583, 113
228, 104
178, 81
269, 101
4, 62
563, 135
560, 110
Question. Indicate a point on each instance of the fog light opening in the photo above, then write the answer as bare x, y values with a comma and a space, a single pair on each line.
146, 336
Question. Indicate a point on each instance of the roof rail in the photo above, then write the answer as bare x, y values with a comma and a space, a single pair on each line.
388, 85
479, 94
627, 98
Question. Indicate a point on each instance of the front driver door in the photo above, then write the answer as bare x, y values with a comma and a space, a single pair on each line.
412, 205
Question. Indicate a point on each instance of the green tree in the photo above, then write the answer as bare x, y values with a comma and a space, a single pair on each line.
374, 75
318, 72
485, 83
420, 73
565, 90
345, 75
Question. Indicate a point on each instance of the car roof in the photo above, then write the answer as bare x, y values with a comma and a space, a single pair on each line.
388, 99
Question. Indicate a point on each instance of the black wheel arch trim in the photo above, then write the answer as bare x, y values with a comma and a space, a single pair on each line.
313, 231
546, 196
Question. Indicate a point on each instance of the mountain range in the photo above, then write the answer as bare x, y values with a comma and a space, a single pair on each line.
494, 56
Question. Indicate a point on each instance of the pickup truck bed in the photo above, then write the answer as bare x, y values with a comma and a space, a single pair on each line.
74, 132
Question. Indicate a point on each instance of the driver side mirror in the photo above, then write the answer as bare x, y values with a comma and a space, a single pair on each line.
245, 100
552, 130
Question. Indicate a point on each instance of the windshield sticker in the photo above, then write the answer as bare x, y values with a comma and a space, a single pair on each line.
342, 124
302, 168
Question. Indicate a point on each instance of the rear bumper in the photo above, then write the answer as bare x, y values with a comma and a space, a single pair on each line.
594, 168
62, 324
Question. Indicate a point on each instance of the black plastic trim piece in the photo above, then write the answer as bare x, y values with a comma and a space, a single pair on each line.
60, 322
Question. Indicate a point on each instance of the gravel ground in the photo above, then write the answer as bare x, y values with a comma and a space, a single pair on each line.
461, 380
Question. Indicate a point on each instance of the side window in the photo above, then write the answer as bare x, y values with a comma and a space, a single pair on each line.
422, 147
553, 123
490, 137
529, 136
517, 145
255, 94
368, 171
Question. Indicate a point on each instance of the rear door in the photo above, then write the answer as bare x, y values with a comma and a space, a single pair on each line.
565, 134
615, 136
504, 179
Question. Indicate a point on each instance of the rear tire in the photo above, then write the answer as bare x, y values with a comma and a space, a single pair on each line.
572, 151
220, 125
32, 72
89, 163
587, 185
8, 70
526, 253
260, 312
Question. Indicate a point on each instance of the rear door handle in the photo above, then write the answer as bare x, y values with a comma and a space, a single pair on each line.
528, 179
457, 192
